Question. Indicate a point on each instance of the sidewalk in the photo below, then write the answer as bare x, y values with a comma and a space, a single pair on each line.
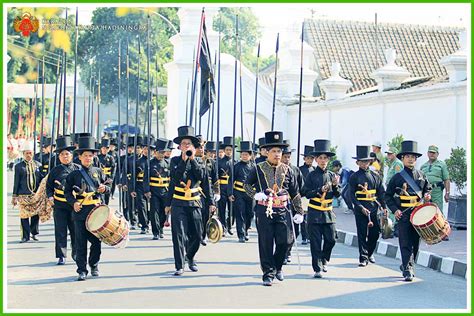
447, 256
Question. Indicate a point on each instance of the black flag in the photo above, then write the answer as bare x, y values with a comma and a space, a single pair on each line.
208, 90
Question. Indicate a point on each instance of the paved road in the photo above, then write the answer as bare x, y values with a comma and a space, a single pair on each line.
229, 277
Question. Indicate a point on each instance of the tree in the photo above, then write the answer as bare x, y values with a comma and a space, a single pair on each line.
457, 168
98, 50
332, 149
396, 142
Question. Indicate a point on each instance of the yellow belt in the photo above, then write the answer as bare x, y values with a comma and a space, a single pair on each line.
320, 204
159, 182
239, 186
191, 194
224, 180
369, 195
89, 202
412, 201
59, 195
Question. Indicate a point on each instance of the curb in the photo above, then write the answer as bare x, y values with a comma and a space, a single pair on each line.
426, 259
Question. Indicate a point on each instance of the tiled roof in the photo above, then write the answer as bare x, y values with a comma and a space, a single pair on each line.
419, 48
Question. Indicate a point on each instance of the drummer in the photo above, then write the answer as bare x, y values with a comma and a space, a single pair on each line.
84, 190
405, 192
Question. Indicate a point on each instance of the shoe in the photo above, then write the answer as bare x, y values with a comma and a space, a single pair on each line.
204, 242
288, 259
34, 237
178, 272
267, 281
446, 238
230, 232
242, 239
95, 271
325, 268
246, 238
408, 276
317, 275
133, 227
161, 235
112, 198
279, 275
143, 232
285, 262
192, 265
82, 276
155, 237
304, 242
61, 261
23, 240
372, 259
363, 263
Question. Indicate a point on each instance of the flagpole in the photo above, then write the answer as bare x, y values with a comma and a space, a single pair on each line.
64, 87
60, 95
275, 81
119, 134
75, 75
256, 94
42, 110
54, 111
98, 107
193, 89
218, 99
239, 51
36, 105
235, 112
157, 103
301, 97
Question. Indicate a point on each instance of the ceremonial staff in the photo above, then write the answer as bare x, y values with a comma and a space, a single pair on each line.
193, 89
60, 97
64, 87
98, 107
148, 107
134, 170
218, 100
75, 75
54, 111
235, 112
157, 103
42, 111
275, 81
119, 134
301, 95
256, 93
240, 84
36, 105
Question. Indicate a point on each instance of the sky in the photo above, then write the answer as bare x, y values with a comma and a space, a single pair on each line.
286, 19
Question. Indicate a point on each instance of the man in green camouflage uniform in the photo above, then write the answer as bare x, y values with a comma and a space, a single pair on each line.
437, 173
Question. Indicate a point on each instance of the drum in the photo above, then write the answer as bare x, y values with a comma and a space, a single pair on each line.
109, 226
430, 223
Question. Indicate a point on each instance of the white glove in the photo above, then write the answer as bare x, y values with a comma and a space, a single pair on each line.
260, 196
298, 219
217, 197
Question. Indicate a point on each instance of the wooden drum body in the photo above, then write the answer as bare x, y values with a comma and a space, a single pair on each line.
109, 226
430, 223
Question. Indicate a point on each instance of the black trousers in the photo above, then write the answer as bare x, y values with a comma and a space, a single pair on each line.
63, 222
296, 227
321, 250
250, 216
367, 242
157, 213
140, 206
222, 204
29, 226
129, 211
242, 211
186, 230
205, 217
409, 241
304, 228
273, 240
82, 236
107, 198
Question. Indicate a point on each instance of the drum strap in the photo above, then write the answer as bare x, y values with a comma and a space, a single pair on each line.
411, 183
88, 179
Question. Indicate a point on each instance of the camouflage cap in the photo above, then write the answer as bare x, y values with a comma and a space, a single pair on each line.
392, 150
433, 149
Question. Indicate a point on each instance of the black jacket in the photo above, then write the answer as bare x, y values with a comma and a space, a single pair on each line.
225, 167
43, 159
241, 172
55, 189
157, 180
366, 180
26, 180
107, 164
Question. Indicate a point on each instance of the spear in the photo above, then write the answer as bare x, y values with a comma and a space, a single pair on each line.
98, 107
60, 94
42, 111
256, 94
54, 110
89, 116
301, 92
64, 87
275, 81
36, 104
119, 134
148, 108
157, 104
198, 51
75, 75
92, 105
136, 120
84, 122
235, 112
218, 99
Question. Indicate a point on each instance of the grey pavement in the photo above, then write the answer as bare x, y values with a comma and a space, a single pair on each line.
229, 277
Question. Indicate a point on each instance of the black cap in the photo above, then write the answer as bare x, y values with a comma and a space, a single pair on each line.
161, 144
210, 146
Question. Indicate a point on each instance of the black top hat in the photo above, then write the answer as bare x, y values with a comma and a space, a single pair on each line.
362, 153
322, 146
105, 142
227, 141
64, 143
409, 147
170, 146
186, 132
46, 141
130, 141
113, 141
308, 151
288, 149
86, 143
246, 146
274, 139
210, 146
255, 147
161, 144
152, 141
78, 135
261, 141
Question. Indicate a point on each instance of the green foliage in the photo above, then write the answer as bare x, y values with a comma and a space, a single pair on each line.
333, 158
457, 167
396, 142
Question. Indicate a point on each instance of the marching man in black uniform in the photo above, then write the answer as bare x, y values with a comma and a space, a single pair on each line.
156, 188
84, 191
367, 195
225, 166
320, 187
242, 202
107, 164
263, 151
63, 211
43, 156
405, 191
209, 161
305, 169
28, 176
184, 200
276, 185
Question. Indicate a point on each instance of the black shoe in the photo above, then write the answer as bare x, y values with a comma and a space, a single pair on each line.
446, 238
192, 265
246, 238
285, 262
61, 261
204, 242
23, 240
304, 242
143, 232
372, 259
161, 235
279, 275
288, 259
363, 264
178, 272
325, 268
133, 227
155, 237
82, 276
267, 281
317, 275
241, 239
34, 237
95, 271
408, 276
230, 232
